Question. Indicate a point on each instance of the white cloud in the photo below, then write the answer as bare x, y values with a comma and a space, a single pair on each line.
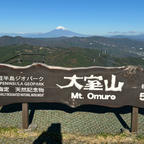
21, 33
60, 27
125, 33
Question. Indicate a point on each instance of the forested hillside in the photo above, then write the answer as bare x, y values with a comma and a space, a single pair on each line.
68, 57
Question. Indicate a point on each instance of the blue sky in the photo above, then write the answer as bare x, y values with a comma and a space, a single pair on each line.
95, 17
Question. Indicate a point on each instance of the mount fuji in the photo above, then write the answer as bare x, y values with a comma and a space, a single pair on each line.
60, 31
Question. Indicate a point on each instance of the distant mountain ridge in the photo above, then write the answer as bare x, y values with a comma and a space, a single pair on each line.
134, 37
58, 32
61, 31
112, 46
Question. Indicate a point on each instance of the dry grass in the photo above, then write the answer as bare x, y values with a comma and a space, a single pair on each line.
102, 139
15, 133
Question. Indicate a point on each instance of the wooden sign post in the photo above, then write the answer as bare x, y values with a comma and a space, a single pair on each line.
25, 116
134, 120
